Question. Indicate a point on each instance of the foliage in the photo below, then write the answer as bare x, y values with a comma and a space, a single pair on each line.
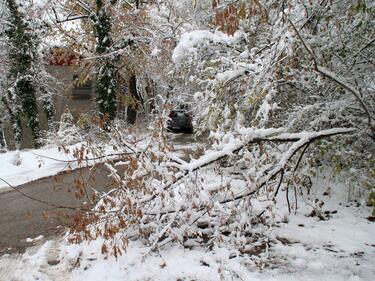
64, 132
158, 198
26, 80
105, 73
300, 66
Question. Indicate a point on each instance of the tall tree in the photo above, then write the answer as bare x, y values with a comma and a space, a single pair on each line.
25, 73
21, 54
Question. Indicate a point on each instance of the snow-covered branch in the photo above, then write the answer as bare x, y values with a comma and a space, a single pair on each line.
334, 77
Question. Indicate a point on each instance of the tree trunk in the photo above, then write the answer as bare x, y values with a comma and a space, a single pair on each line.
3, 144
133, 108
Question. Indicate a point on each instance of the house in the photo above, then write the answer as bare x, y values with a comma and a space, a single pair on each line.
73, 92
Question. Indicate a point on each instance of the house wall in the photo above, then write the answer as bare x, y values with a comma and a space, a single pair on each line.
79, 100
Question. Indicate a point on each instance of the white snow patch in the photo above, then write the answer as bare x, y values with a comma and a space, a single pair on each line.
190, 40
32, 240
20, 167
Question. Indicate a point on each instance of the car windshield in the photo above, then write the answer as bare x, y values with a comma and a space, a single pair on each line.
180, 114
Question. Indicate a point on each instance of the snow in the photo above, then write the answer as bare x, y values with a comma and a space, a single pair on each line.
341, 247
229, 75
19, 167
336, 244
190, 40
230, 144
302, 247
32, 240
264, 111
155, 52
23, 166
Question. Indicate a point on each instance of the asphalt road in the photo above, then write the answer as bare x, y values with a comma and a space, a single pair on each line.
22, 217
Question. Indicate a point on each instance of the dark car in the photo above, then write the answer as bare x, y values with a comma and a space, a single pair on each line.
180, 121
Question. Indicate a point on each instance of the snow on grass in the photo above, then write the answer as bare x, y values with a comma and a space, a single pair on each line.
340, 247
23, 166
19, 167
83, 262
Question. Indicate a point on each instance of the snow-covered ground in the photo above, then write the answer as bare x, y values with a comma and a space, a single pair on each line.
341, 247
19, 167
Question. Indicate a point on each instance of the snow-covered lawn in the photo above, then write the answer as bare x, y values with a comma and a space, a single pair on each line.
19, 167
342, 247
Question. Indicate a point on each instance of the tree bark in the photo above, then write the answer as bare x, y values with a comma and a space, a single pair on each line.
134, 107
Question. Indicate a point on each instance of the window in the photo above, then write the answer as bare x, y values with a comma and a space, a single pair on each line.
81, 90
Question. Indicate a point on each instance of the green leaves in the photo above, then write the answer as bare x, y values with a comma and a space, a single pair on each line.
359, 7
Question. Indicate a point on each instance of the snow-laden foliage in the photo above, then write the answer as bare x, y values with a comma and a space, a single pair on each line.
122, 46
63, 133
215, 200
272, 94
139, 45
302, 66
25, 83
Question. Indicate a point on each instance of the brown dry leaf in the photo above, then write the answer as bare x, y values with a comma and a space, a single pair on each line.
45, 215
28, 214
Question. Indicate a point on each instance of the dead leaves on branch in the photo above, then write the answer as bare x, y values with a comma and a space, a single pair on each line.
228, 16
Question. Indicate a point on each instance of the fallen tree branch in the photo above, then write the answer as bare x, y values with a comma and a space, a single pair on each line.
346, 85
140, 214
307, 139
280, 182
303, 140
68, 17
365, 46
83, 160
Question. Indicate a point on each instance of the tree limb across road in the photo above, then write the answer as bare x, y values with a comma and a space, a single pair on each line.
301, 139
